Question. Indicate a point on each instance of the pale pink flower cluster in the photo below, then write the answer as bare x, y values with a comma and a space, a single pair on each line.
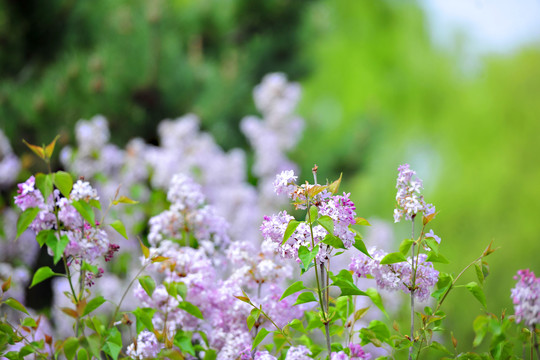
146, 346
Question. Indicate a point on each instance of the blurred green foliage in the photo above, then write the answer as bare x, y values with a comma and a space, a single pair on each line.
138, 62
382, 94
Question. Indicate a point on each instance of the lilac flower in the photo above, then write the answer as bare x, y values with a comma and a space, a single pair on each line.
184, 193
526, 297
358, 353
29, 196
397, 276
339, 356
298, 353
342, 211
409, 200
82, 190
146, 346
285, 182
432, 235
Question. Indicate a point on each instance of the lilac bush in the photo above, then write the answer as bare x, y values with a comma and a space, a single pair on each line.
168, 251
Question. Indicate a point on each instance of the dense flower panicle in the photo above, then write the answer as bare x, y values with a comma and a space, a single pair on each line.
396, 276
146, 346
298, 353
87, 244
526, 297
408, 198
29, 196
356, 353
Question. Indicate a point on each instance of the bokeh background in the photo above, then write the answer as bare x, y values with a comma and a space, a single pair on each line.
454, 90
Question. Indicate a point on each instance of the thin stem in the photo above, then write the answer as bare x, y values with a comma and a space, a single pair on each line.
124, 295
36, 349
535, 340
413, 285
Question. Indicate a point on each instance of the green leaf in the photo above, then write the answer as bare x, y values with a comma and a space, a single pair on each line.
57, 246
14, 304
294, 288
405, 246
333, 241
191, 309
119, 227
393, 258
43, 235
297, 325
291, 227
260, 337
307, 256
63, 182
181, 289
345, 282
95, 203
124, 200
113, 343
437, 258
250, 322
477, 292
147, 284
25, 219
210, 354
327, 223
43, 273
93, 305
184, 343
71, 345
305, 297
376, 299
30, 322
313, 213
479, 273
437, 346
86, 211
480, 326
433, 245
44, 184
144, 318
359, 245
82, 354
361, 221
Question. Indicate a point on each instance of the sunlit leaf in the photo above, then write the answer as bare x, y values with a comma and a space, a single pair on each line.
63, 182
294, 288
191, 309
14, 304
477, 292
43, 273
119, 227
25, 219
393, 258
260, 337
38, 150
291, 227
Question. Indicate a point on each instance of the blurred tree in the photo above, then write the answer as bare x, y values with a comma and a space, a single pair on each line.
138, 62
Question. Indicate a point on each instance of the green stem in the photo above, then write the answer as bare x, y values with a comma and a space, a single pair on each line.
124, 295
413, 285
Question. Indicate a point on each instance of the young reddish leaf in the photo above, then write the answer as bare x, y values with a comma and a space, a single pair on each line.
38, 150
243, 298
334, 187
145, 250
6, 285
70, 312
49, 149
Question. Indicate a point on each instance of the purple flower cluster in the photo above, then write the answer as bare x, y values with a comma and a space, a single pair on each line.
408, 198
146, 346
338, 207
526, 297
356, 353
86, 242
397, 276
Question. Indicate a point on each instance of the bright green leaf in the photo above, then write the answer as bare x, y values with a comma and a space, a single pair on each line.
361, 221
86, 211
345, 282
359, 245
57, 246
437, 258
43, 273
295, 287
14, 304
93, 305
433, 245
393, 258
376, 299
63, 182
291, 227
313, 213
147, 284
333, 241
306, 256
260, 337
477, 292
44, 184
191, 309
184, 343
405, 246
71, 345
30, 322
305, 297
327, 223
25, 219
120, 228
